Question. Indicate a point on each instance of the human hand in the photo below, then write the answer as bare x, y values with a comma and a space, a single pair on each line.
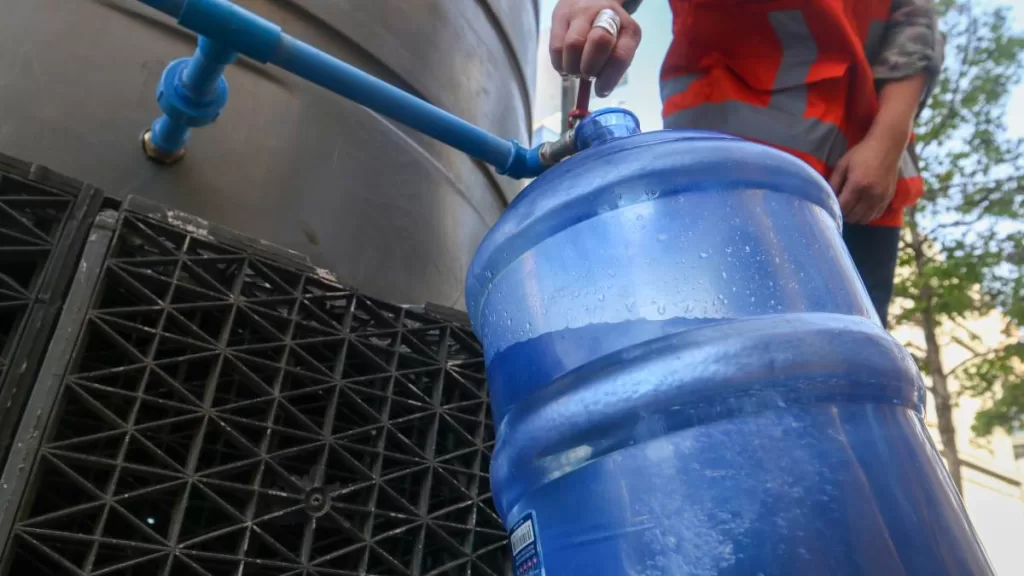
579, 49
865, 178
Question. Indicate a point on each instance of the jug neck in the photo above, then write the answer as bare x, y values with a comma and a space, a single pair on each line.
604, 126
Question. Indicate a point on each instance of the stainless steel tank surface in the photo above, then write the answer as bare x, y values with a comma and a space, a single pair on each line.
387, 209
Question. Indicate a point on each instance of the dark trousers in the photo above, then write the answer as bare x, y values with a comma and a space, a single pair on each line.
874, 250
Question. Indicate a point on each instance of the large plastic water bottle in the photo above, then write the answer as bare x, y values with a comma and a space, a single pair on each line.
689, 377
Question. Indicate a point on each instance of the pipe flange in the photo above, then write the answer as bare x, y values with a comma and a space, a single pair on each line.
192, 110
158, 155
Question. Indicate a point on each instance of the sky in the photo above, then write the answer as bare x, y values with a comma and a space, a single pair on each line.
1015, 109
640, 93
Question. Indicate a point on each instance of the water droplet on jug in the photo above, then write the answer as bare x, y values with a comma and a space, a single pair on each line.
639, 217
600, 297
661, 310
703, 254
724, 275
629, 306
662, 237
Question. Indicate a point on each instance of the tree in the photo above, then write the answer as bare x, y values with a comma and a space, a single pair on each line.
963, 246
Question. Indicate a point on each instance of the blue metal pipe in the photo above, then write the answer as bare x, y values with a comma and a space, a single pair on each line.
191, 93
168, 135
319, 68
201, 76
242, 31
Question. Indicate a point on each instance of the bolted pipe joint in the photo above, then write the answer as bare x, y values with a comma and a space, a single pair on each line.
192, 93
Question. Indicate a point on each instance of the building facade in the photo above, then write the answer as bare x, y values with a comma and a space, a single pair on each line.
993, 484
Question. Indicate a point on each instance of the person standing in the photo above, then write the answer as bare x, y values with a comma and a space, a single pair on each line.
836, 83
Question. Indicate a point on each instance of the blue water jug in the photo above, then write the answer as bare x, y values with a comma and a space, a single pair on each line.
689, 378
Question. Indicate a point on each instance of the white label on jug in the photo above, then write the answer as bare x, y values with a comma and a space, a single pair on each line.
526, 548
522, 537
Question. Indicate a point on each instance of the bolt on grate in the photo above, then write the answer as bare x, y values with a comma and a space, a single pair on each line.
228, 413
43, 221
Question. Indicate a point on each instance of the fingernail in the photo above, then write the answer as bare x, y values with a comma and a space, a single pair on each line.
603, 94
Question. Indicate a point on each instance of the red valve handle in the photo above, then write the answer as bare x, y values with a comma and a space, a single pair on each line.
582, 109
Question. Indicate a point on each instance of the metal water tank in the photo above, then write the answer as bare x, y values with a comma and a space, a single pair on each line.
385, 208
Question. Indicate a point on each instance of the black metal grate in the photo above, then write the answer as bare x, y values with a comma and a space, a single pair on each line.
228, 413
43, 221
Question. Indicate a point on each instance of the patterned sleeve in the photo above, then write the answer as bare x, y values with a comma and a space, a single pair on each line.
913, 43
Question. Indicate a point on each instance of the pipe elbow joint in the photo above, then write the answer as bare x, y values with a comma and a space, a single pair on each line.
532, 162
524, 163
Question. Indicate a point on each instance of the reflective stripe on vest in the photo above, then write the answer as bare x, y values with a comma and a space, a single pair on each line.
908, 169
769, 125
765, 124
799, 52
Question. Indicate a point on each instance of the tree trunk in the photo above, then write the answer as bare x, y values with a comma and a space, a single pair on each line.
933, 360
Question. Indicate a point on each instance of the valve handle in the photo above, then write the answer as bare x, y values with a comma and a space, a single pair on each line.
582, 109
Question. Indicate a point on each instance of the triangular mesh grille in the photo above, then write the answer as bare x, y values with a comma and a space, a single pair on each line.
227, 414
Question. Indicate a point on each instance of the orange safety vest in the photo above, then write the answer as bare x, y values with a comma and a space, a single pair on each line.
793, 74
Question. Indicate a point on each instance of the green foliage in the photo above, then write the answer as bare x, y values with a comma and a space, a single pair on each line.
998, 376
968, 255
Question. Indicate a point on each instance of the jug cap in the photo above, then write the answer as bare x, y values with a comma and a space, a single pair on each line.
605, 125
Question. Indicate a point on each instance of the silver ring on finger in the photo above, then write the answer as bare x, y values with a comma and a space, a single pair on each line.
608, 21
